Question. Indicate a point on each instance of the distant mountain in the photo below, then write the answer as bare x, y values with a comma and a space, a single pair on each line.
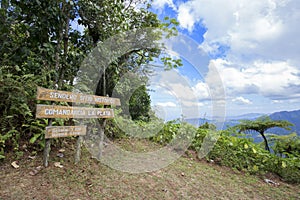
235, 120
249, 116
291, 116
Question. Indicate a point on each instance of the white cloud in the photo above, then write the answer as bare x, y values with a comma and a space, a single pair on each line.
166, 104
277, 101
201, 90
275, 80
215, 82
160, 4
193, 104
242, 100
261, 42
186, 18
175, 85
250, 29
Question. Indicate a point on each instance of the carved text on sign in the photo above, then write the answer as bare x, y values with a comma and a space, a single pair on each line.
64, 131
56, 95
52, 111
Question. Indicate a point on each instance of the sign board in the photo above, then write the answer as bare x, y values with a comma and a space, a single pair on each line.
53, 111
64, 96
64, 131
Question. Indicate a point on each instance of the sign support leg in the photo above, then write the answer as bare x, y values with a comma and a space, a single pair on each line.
65, 112
102, 128
47, 148
46, 152
78, 149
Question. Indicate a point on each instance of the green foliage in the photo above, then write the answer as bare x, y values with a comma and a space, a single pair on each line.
287, 168
262, 124
242, 154
238, 152
16, 105
39, 47
287, 145
123, 126
113, 131
207, 125
167, 133
4, 138
37, 128
139, 104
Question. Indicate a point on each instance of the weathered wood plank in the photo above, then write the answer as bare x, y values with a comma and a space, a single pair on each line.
52, 111
64, 96
64, 131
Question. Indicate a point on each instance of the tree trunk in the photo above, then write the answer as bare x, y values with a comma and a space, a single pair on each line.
66, 43
266, 141
101, 142
103, 121
57, 60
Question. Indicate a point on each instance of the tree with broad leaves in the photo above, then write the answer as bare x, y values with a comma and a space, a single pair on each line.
261, 125
41, 46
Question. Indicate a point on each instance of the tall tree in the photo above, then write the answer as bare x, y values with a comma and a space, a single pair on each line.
261, 125
107, 18
39, 46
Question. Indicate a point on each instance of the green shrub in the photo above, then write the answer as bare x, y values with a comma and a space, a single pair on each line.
17, 105
242, 154
167, 133
286, 145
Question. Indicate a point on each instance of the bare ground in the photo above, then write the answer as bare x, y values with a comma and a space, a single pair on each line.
186, 178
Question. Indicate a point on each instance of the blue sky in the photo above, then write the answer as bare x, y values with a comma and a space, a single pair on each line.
254, 45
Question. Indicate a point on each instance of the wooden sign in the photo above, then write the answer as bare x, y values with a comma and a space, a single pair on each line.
64, 96
64, 131
53, 111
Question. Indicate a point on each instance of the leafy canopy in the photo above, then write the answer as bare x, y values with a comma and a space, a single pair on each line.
261, 125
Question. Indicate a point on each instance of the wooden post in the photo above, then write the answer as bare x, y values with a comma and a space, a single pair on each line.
55, 111
47, 148
47, 151
102, 127
78, 149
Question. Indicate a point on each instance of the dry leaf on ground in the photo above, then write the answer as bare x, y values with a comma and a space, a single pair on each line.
57, 164
15, 165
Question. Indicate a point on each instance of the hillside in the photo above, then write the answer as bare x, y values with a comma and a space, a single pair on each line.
186, 178
291, 116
